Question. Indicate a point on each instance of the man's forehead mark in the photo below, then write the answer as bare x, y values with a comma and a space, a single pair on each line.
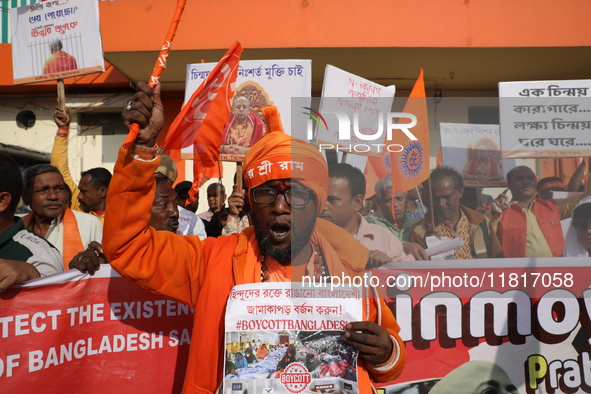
282, 185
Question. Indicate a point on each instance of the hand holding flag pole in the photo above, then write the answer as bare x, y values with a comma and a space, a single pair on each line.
160, 64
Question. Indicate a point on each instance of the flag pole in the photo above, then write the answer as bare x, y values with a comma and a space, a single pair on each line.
238, 175
431, 209
160, 64
344, 158
61, 94
420, 200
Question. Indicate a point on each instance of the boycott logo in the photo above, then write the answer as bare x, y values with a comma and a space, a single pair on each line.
295, 378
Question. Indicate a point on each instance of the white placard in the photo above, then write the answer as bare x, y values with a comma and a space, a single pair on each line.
289, 322
545, 118
264, 83
55, 40
351, 95
474, 151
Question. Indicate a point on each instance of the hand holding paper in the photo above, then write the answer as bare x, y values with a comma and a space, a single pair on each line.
445, 246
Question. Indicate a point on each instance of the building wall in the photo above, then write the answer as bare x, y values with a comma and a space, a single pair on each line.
348, 23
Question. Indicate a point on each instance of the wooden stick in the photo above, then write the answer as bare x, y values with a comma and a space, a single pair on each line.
420, 200
238, 182
344, 158
431, 207
61, 94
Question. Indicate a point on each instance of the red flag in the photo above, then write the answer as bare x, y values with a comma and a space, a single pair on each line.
201, 121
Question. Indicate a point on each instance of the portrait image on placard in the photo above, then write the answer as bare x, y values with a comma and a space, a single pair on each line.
55, 40
259, 84
246, 123
474, 150
483, 161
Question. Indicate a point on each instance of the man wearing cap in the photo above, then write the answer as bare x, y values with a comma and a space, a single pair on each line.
182, 196
286, 243
548, 185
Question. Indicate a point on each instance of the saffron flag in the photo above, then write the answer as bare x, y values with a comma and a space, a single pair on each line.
201, 175
410, 166
201, 120
160, 64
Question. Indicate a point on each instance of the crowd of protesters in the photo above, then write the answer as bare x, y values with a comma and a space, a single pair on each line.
64, 226
336, 227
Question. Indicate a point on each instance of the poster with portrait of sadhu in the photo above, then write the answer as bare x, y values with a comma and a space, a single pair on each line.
259, 84
474, 151
55, 40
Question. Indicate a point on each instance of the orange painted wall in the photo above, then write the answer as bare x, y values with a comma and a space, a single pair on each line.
139, 25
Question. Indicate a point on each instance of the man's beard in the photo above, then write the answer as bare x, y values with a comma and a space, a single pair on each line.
283, 256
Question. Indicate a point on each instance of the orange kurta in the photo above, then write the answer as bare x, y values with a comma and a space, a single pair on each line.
202, 273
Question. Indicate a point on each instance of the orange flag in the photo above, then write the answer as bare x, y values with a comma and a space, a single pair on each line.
160, 64
201, 121
410, 167
201, 175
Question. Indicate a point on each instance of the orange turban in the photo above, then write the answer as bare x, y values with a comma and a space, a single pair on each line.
279, 156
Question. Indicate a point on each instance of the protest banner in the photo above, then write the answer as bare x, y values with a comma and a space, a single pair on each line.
116, 336
55, 40
287, 323
354, 111
474, 150
260, 83
519, 324
545, 118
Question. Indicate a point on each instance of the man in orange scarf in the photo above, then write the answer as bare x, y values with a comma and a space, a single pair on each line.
69, 231
287, 180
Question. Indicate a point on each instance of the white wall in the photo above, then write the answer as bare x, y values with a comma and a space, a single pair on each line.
86, 151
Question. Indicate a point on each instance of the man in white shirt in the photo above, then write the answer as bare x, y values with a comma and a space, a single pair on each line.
46, 193
23, 255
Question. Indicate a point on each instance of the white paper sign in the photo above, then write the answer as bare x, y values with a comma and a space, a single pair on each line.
55, 40
545, 118
352, 96
290, 337
474, 151
263, 83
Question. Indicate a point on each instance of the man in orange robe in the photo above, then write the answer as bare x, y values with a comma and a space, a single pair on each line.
59, 61
284, 245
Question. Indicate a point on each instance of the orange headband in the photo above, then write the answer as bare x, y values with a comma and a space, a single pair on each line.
279, 156
549, 185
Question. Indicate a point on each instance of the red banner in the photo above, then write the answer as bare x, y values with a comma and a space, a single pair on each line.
519, 324
92, 334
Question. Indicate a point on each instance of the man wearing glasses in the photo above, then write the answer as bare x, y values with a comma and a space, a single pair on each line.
287, 179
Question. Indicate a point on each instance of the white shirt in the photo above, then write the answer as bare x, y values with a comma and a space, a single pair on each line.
89, 227
190, 224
